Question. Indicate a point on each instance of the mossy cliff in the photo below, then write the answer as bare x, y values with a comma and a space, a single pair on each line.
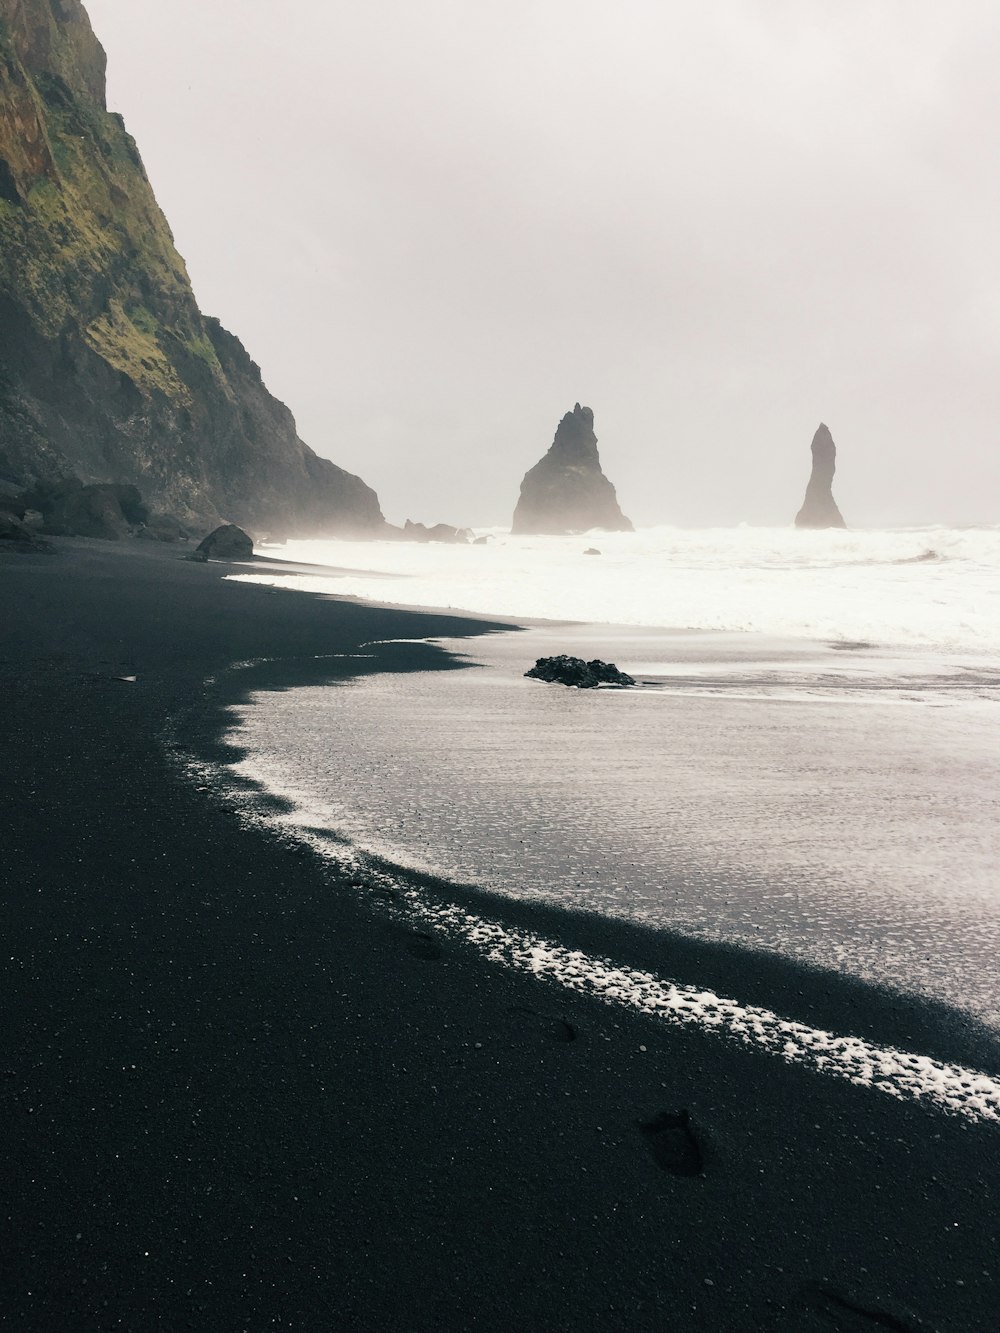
108, 369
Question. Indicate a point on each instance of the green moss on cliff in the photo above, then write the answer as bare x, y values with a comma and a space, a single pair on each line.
89, 243
143, 319
134, 352
201, 347
107, 367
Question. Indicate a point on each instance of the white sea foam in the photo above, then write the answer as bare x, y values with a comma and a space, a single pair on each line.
904, 1075
928, 587
900, 1074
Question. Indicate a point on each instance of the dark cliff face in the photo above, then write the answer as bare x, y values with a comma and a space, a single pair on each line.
108, 369
566, 491
819, 509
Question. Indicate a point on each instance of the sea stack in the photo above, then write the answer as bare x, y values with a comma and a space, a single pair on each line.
819, 509
566, 491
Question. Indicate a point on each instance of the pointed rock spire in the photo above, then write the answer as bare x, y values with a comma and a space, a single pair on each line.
819, 509
566, 491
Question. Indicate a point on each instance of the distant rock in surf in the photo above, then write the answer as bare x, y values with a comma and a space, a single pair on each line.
226, 543
440, 532
565, 670
819, 509
566, 491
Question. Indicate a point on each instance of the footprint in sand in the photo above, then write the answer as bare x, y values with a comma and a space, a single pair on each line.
673, 1144
421, 944
851, 1314
532, 1023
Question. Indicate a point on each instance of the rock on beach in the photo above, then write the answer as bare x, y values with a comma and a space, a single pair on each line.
565, 670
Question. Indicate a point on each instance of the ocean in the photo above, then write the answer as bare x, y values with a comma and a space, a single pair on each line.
928, 588
809, 766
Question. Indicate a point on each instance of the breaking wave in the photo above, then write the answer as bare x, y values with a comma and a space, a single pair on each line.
933, 588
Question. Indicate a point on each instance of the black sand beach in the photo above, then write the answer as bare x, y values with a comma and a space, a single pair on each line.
236, 1098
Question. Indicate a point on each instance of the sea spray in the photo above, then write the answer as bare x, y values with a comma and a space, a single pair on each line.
870, 586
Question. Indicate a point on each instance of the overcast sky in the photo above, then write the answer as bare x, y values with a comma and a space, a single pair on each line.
436, 224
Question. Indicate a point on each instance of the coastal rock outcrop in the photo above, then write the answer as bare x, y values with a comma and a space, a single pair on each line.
566, 491
440, 532
108, 369
226, 543
819, 509
15, 535
107, 511
564, 670
163, 528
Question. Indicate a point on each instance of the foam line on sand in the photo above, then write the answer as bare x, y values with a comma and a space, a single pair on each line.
905, 1075
898, 1073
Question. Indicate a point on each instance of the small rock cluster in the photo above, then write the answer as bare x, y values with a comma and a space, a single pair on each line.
565, 670
440, 532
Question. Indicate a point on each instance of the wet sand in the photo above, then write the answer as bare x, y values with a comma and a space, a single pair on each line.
836, 807
236, 1097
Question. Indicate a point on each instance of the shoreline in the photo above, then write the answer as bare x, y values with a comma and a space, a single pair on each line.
804, 993
836, 586
238, 1099
403, 762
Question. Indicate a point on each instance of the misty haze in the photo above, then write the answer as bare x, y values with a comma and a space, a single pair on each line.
436, 226
500, 654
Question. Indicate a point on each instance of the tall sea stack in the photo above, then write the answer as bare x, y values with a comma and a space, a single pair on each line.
566, 491
108, 369
819, 509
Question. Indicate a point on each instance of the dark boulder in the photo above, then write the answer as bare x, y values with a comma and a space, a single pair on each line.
819, 509
17, 536
566, 491
227, 543
565, 670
